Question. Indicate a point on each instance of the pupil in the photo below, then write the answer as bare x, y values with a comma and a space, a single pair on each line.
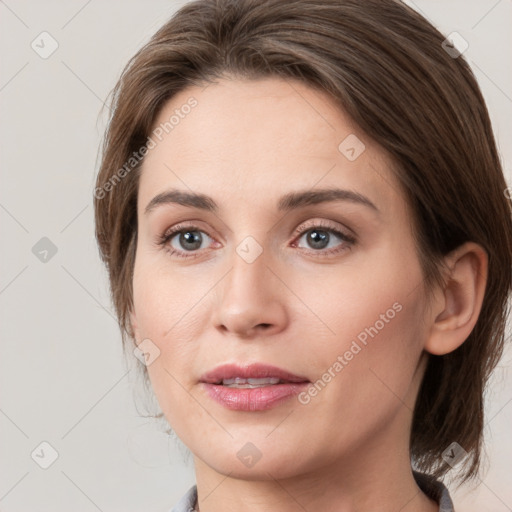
190, 238
318, 239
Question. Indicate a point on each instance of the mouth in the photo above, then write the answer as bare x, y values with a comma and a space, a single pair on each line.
241, 383
255, 387
251, 376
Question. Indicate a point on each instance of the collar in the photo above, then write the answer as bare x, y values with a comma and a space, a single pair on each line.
433, 488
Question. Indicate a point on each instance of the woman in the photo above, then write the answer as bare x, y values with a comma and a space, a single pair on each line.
305, 222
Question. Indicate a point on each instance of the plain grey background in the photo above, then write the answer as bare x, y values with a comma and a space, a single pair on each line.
63, 379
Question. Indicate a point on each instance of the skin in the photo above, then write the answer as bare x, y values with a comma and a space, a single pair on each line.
245, 144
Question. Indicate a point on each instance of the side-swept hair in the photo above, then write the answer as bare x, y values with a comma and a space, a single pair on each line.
386, 67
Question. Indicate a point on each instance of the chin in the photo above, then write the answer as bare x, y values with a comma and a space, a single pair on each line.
254, 458
262, 470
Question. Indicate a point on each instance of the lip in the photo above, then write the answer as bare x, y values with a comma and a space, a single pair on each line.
252, 399
251, 371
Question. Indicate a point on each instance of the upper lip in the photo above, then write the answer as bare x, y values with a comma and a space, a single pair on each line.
250, 371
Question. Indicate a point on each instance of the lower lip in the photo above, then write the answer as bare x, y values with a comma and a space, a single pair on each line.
253, 399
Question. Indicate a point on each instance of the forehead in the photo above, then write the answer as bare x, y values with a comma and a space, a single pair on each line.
257, 138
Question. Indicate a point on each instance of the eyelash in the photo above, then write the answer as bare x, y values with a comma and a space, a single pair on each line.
165, 238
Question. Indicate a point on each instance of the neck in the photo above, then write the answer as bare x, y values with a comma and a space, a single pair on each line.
373, 476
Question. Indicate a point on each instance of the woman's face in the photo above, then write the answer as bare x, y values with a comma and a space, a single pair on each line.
269, 267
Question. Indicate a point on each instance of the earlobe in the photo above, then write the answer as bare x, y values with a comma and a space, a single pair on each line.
460, 302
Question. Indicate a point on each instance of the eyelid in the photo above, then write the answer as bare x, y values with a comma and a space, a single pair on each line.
345, 231
182, 226
190, 225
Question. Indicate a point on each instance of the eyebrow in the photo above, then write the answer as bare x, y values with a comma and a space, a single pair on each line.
288, 202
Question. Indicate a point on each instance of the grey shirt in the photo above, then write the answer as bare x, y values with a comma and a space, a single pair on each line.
432, 488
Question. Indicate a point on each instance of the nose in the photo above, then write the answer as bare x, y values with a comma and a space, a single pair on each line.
250, 300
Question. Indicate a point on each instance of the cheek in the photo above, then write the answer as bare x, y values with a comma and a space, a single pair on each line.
170, 322
379, 297
168, 305
170, 311
373, 335
376, 349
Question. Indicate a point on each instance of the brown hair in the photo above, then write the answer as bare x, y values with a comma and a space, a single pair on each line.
385, 66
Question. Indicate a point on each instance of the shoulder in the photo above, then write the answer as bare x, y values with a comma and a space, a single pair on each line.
428, 484
436, 490
187, 502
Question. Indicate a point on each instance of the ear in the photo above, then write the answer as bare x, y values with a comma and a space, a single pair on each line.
458, 304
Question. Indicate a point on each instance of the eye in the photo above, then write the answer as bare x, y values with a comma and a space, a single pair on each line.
182, 239
324, 238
